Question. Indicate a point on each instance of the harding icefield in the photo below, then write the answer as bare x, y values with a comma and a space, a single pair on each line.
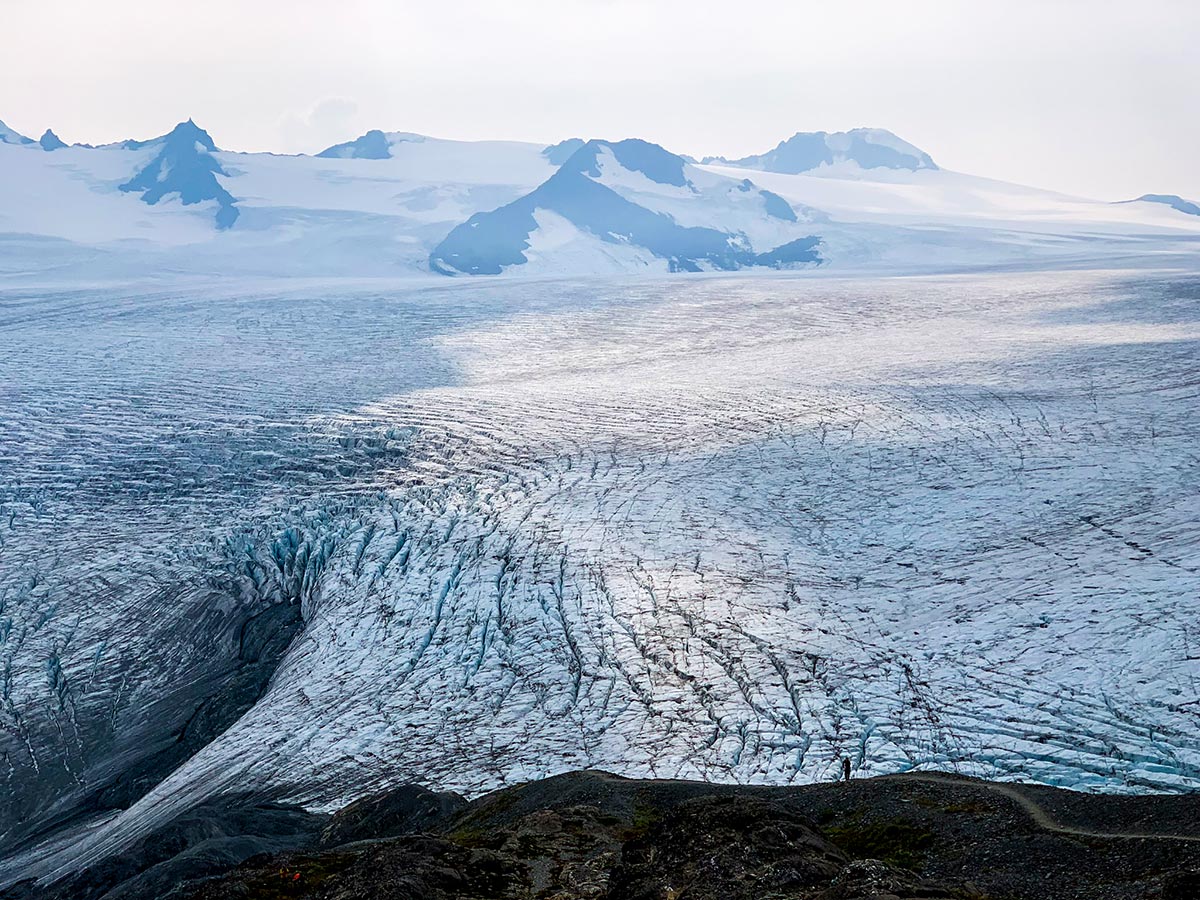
471, 463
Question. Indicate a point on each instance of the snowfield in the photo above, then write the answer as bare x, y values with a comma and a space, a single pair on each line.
736, 528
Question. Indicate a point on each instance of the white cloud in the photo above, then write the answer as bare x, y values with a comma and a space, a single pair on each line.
331, 121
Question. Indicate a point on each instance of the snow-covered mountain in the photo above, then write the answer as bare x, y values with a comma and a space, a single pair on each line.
865, 148
402, 204
184, 167
629, 205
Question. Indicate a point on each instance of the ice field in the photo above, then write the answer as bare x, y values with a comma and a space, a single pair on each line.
736, 529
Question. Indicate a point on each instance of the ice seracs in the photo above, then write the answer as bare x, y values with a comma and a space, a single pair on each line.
632, 205
867, 148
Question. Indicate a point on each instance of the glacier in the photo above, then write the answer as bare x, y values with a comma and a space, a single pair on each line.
722, 526
736, 470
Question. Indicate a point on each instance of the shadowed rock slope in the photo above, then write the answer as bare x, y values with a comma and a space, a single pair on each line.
594, 835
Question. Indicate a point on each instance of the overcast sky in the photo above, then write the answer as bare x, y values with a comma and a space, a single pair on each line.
1087, 96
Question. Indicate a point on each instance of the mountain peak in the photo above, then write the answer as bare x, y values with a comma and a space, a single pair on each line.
869, 148
183, 134
51, 141
657, 164
190, 131
632, 203
184, 165
372, 145
562, 151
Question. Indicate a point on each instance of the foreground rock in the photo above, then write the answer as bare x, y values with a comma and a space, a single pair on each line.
594, 836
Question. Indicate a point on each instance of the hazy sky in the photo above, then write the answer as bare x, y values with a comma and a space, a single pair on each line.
1087, 96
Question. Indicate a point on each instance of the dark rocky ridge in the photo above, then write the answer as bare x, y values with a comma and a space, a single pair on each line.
594, 835
245, 648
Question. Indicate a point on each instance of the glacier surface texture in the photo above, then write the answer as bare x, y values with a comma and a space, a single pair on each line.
318, 537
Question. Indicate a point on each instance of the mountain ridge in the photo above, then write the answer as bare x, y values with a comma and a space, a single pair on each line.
400, 203
10, 136
927, 836
1174, 201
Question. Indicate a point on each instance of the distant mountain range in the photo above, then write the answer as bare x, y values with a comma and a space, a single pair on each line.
866, 148
402, 203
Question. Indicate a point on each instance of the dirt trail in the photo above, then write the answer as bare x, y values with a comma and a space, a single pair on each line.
1041, 816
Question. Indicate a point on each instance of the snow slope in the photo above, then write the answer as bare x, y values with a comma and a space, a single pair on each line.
930, 220
74, 195
737, 529
8, 136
